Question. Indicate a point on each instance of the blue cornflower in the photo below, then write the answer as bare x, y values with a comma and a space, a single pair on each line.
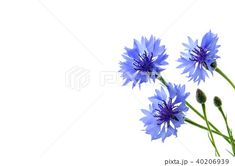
144, 61
166, 112
198, 59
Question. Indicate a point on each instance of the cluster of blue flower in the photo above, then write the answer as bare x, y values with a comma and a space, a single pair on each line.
145, 62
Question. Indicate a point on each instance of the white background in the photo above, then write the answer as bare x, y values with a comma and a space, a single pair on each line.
44, 122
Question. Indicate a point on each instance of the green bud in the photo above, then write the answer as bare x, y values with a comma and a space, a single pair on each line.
217, 101
214, 64
200, 96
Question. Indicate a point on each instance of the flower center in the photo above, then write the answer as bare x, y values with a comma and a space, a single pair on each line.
166, 112
199, 55
145, 63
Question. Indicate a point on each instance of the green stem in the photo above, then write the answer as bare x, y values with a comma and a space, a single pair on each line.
228, 130
194, 110
201, 116
163, 80
225, 77
209, 129
205, 128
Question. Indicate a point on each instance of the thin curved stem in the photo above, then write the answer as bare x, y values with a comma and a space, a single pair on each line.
225, 77
163, 80
205, 128
201, 116
228, 130
209, 129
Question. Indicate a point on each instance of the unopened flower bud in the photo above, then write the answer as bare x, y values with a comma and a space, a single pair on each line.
200, 96
214, 64
217, 101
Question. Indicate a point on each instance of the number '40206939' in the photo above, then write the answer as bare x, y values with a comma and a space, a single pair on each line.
212, 161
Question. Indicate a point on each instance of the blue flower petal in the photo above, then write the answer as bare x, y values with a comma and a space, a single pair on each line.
196, 60
166, 112
144, 62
